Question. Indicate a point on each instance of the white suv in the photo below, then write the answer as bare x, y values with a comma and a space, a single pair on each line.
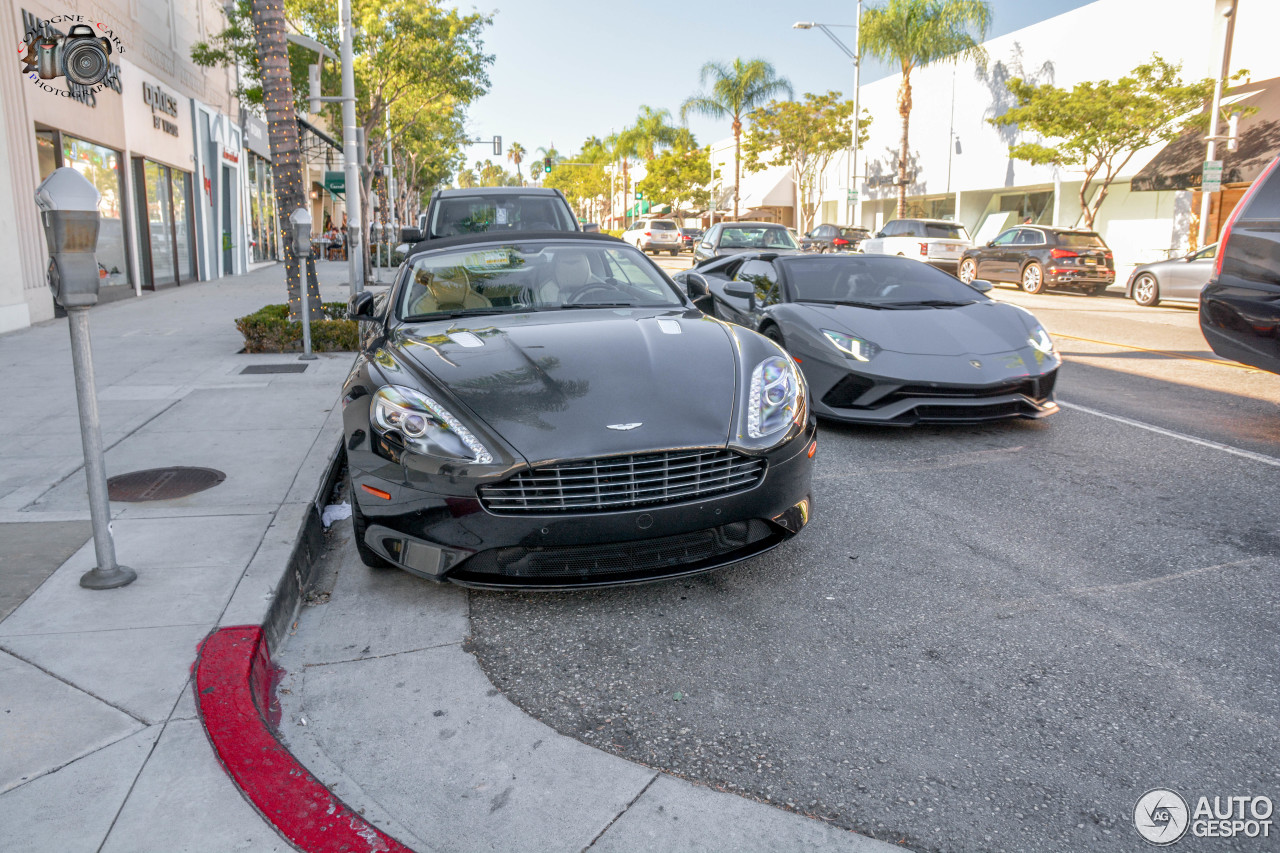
654, 235
934, 241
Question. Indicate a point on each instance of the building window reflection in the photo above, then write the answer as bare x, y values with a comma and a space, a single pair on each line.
164, 223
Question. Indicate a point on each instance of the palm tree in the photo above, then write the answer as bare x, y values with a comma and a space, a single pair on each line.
515, 153
651, 131
735, 90
541, 154
916, 33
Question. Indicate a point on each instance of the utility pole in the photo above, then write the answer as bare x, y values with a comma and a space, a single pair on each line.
350, 153
1211, 149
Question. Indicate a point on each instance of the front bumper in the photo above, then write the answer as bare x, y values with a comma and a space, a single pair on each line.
926, 390
456, 539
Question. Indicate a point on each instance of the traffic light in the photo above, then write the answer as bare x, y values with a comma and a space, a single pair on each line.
546, 165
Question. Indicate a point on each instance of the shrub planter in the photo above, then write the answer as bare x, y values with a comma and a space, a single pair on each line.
269, 329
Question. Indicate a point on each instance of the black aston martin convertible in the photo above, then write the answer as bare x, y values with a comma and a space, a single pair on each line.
888, 340
523, 413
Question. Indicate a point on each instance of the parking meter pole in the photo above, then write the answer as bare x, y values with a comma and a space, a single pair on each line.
306, 321
108, 574
300, 225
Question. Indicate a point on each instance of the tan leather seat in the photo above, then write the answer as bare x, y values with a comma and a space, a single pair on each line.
445, 290
570, 272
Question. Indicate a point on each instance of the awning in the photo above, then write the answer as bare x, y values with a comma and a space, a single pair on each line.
1180, 164
307, 129
772, 187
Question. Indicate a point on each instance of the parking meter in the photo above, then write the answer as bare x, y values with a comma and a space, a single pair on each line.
69, 212
300, 222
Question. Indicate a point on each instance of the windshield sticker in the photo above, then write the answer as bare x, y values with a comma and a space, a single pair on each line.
490, 260
501, 216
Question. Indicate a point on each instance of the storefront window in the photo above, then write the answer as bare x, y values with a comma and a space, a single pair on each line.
262, 206
102, 167
182, 223
164, 214
160, 223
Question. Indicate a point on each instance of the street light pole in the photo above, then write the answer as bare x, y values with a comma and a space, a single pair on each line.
350, 153
1212, 148
854, 203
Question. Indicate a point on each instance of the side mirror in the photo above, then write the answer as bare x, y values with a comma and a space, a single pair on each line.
738, 290
410, 235
981, 285
360, 308
695, 285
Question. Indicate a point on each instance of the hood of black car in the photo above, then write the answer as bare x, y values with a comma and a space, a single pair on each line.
554, 383
982, 328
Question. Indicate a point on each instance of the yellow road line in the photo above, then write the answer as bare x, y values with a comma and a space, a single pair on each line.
1166, 353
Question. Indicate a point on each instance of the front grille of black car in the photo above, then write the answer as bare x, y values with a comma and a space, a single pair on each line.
618, 482
967, 414
645, 557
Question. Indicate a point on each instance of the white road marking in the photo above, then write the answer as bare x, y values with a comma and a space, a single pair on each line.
1203, 442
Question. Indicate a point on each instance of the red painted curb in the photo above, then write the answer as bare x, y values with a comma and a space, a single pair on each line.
234, 679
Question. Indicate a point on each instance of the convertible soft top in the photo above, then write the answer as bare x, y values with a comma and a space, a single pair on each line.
511, 237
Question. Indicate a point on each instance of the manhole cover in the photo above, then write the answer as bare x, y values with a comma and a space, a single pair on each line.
162, 484
274, 368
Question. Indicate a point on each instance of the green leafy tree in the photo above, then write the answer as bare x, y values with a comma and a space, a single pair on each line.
584, 180
735, 90
805, 135
917, 33
678, 177
1099, 125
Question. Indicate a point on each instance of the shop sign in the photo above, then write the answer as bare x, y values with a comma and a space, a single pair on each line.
159, 99
335, 182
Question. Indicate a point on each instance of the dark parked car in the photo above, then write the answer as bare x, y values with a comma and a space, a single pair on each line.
522, 412
729, 238
888, 340
476, 210
689, 238
1038, 256
833, 238
1175, 279
1240, 306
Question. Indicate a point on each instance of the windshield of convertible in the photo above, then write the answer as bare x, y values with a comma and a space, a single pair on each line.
475, 214
874, 281
518, 277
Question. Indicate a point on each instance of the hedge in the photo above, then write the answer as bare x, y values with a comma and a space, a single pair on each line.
269, 329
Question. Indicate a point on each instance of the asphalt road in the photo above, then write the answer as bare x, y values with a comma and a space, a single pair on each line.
988, 639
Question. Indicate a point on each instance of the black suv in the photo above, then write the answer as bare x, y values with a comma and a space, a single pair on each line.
478, 209
833, 238
1038, 256
1240, 306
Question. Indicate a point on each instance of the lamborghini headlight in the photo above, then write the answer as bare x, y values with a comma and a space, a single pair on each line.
1041, 341
849, 345
777, 399
426, 426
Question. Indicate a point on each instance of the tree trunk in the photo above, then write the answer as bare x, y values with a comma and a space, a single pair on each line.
737, 169
286, 154
904, 110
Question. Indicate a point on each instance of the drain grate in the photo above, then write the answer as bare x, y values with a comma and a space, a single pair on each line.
162, 484
274, 368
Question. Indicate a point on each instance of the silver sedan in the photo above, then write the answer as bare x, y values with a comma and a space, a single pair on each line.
1177, 279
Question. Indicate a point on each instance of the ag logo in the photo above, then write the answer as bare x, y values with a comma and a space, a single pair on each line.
1161, 816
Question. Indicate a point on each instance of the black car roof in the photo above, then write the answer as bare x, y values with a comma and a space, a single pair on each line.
464, 191
511, 237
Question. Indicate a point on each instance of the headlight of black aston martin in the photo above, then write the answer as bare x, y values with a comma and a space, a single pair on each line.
425, 426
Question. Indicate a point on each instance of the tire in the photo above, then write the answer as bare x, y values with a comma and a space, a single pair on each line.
359, 524
1098, 290
1033, 278
674, 252
968, 270
1146, 290
774, 334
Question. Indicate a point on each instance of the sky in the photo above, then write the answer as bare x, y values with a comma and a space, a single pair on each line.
569, 69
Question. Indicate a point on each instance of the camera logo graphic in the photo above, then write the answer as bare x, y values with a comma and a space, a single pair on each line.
80, 56
1161, 816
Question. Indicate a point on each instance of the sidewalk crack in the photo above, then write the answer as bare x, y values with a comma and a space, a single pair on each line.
625, 809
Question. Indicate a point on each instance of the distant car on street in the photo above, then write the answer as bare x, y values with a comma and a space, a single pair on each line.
689, 238
1240, 306
1175, 279
730, 238
654, 235
481, 210
833, 238
935, 241
1038, 256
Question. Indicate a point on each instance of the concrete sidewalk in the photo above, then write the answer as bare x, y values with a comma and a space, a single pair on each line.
101, 746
